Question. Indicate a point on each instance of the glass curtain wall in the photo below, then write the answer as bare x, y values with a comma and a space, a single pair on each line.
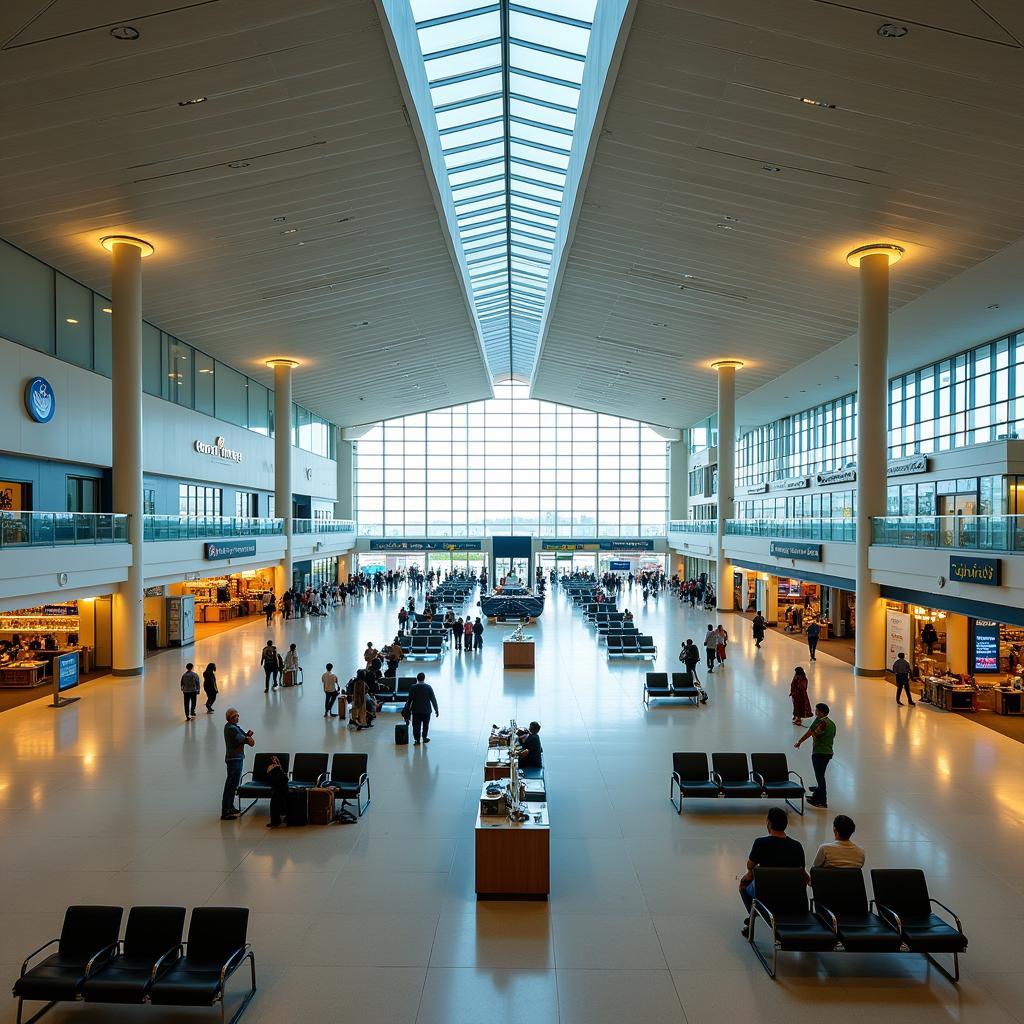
511, 465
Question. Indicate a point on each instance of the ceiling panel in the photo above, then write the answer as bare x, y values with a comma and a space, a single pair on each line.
720, 205
291, 210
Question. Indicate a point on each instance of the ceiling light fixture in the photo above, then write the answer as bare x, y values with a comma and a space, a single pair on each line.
195, 101
71, 320
289, 231
724, 227
771, 168
893, 252
890, 30
236, 165
125, 32
994, 305
720, 364
206, 369
817, 103
282, 361
734, 220
109, 241
280, 220
107, 309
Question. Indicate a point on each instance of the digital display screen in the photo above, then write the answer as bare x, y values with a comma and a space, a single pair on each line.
986, 646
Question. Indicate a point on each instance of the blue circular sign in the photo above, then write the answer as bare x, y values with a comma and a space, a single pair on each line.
39, 400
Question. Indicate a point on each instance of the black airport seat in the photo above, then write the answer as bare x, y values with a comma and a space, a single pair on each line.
630, 644
88, 941
655, 686
614, 646
733, 776
216, 948
901, 896
690, 775
254, 785
348, 778
773, 773
308, 769
645, 644
841, 901
684, 684
780, 901
151, 947
402, 684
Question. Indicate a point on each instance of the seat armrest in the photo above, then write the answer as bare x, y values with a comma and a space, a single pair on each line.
321, 779
833, 921
245, 775
716, 779
799, 777
102, 955
363, 778
758, 908
36, 952
939, 903
677, 777
889, 915
232, 963
758, 778
179, 949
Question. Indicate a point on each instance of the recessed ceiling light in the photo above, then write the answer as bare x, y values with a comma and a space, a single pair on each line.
280, 220
341, 220
771, 168
71, 320
995, 305
107, 309
734, 220
289, 231
724, 227
688, 277
124, 32
206, 370
194, 101
890, 30
817, 103
238, 164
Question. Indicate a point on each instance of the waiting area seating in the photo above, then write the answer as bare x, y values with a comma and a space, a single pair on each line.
347, 776
426, 644
840, 918
683, 686
632, 646
729, 777
394, 689
150, 965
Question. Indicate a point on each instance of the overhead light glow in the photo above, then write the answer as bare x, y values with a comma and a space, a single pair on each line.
282, 361
894, 253
736, 364
194, 101
71, 320
109, 241
107, 309
817, 103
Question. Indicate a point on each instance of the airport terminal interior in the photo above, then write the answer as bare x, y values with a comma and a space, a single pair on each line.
511, 512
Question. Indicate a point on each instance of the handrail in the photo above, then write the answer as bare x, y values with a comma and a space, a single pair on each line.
843, 530
693, 526
161, 528
323, 526
55, 529
963, 533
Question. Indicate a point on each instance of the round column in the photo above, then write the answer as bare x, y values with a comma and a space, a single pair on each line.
873, 262
129, 647
726, 475
283, 464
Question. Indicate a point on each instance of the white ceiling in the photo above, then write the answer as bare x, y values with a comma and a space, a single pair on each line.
925, 147
365, 292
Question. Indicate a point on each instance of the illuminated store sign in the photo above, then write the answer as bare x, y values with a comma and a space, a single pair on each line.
217, 449
985, 571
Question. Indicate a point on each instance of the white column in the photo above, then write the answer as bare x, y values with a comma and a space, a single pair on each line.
283, 464
872, 443
343, 506
726, 475
679, 477
128, 649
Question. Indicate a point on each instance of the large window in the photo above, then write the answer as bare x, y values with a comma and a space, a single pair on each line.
511, 465
196, 500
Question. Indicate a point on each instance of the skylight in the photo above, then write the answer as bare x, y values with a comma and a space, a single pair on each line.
505, 83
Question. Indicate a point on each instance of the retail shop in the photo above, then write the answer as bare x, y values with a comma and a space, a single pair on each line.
231, 596
33, 640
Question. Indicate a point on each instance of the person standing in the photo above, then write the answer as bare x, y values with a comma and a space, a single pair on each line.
235, 742
710, 647
478, 634
358, 716
286, 604
210, 686
467, 635
457, 633
419, 704
813, 636
331, 688
395, 654
269, 659
690, 656
823, 734
291, 667
798, 694
901, 670
403, 619
929, 637
190, 691
270, 606
758, 628
720, 645
370, 654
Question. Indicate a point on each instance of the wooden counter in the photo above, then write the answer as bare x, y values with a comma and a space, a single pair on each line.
497, 765
519, 653
22, 674
513, 860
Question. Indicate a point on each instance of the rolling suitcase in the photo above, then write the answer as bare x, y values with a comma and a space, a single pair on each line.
402, 734
298, 807
321, 805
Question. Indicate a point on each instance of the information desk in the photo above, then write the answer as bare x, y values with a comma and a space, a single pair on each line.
519, 653
513, 860
23, 674
496, 766
948, 696
1008, 702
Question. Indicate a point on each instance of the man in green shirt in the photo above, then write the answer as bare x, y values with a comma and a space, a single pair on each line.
823, 733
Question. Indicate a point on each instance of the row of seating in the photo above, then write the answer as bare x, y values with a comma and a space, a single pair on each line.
149, 965
632, 646
347, 776
840, 919
684, 686
428, 646
730, 777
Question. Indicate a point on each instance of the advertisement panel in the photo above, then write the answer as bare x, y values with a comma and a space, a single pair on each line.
897, 637
985, 654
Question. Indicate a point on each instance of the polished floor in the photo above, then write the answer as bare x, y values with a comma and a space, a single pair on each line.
115, 799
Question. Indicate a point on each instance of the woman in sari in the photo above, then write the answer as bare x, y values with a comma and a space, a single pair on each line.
798, 692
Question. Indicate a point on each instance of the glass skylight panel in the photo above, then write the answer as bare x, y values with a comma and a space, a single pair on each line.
506, 135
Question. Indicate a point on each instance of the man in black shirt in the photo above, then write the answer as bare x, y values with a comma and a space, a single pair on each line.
775, 850
532, 753
419, 705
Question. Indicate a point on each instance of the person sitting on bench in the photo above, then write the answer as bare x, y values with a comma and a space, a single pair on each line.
775, 850
531, 754
844, 852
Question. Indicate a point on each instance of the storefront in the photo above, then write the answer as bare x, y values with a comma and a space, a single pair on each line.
32, 639
229, 597
443, 556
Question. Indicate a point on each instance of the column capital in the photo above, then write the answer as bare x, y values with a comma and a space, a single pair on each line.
109, 241
726, 364
893, 253
283, 361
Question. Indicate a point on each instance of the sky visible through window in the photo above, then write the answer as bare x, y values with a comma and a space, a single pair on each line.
511, 465
505, 84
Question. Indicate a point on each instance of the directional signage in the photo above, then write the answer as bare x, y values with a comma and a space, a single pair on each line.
796, 549
218, 550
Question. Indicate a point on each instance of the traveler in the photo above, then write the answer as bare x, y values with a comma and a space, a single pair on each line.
357, 691
286, 604
210, 686
531, 753
798, 694
775, 850
370, 654
403, 619
190, 691
457, 633
823, 733
478, 634
277, 779
689, 656
758, 627
843, 852
395, 654
467, 635
929, 637
813, 636
901, 670
723, 639
269, 607
418, 706
235, 742
269, 660
331, 690
710, 647
291, 667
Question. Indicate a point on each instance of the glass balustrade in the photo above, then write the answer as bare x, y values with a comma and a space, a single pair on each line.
323, 526
811, 528
693, 526
51, 529
971, 533
157, 528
